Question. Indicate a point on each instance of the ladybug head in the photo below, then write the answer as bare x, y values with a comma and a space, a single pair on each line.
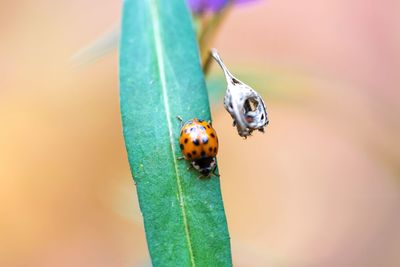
205, 165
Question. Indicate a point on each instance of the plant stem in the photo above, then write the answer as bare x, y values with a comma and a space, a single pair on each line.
208, 33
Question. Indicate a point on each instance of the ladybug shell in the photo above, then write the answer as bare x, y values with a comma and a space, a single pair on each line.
198, 140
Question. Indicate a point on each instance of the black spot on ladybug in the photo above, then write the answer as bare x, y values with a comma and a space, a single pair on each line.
201, 120
194, 152
210, 149
202, 128
186, 140
189, 155
181, 145
196, 142
212, 135
192, 129
204, 139
208, 126
203, 153
215, 150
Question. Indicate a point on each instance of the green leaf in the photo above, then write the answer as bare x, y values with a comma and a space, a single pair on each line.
160, 79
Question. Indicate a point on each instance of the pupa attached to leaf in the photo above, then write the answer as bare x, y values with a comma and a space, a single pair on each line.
246, 106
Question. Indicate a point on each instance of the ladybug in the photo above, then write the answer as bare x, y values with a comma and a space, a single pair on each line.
199, 145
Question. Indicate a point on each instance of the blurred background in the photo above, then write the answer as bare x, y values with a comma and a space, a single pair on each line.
320, 188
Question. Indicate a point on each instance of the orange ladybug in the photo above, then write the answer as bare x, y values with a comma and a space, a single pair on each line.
199, 145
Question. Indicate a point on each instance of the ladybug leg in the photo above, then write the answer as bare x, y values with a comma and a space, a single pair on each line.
214, 172
201, 176
180, 119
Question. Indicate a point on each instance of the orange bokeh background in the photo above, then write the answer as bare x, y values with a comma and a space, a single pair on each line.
320, 188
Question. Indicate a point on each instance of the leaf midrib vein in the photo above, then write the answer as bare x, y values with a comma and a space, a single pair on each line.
160, 62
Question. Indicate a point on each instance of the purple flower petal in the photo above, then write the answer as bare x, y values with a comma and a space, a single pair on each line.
216, 5
201, 6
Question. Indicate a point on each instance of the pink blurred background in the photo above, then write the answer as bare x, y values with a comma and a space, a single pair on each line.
320, 188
